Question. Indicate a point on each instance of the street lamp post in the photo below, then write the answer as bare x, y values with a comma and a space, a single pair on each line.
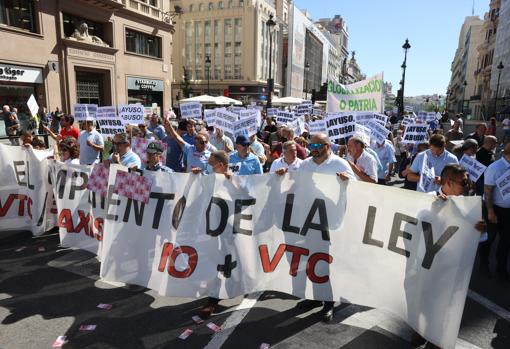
208, 67
271, 24
307, 70
406, 47
463, 95
500, 68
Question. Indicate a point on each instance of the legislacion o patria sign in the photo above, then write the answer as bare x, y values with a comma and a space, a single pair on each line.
20, 74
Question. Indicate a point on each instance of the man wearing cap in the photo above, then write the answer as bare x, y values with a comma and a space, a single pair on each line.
155, 127
122, 153
363, 164
244, 162
154, 158
196, 155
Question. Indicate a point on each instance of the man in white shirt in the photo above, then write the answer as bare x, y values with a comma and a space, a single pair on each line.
289, 162
362, 163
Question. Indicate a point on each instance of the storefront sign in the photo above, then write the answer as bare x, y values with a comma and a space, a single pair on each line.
90, 54
141, 84
20, 74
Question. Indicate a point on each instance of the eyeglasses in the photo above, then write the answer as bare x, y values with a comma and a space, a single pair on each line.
315, 146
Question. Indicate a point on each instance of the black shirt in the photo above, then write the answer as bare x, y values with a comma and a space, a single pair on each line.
477, 138
486, 157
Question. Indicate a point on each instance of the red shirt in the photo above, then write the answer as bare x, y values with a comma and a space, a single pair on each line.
73, 132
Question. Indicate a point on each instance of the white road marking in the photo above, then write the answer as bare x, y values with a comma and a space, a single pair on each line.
233, 320
501, 312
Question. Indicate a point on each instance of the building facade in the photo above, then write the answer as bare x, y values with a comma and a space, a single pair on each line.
481, 99
224, 48
501, 55
103, 52
462, 83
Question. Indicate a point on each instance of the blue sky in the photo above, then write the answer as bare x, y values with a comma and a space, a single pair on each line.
378, 29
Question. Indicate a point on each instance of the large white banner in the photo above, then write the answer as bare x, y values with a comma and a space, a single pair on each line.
306, 234
366, 95
26, 200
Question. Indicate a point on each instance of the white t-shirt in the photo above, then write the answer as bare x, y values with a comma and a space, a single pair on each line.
366, 163
280, 163
332, 165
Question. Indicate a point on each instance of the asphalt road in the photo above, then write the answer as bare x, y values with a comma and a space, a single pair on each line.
52, 292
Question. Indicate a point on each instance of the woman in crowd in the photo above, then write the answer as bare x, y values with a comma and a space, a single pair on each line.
69, 151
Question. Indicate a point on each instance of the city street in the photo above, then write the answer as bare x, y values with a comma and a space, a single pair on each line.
50, 293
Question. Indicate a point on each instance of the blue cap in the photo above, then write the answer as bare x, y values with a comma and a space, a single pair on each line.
243, 140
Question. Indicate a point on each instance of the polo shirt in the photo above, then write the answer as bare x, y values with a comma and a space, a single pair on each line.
194, 158
158, 130
280, 163
386, 155
72, 132
367, 163
174, 155
88, 155
492, 174
331, 165
130, 159
244, 166
435, 162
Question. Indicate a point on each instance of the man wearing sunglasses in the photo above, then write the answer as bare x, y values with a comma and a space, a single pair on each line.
322, 160
197, 155
122, 153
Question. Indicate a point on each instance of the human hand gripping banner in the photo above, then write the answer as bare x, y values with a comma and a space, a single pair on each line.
305, 234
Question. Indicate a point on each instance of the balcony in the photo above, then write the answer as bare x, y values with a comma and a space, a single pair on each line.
110, 5
143, 7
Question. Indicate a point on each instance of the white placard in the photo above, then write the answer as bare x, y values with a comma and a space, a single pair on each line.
271, 112
284, 117
415, 134
503, 184
210, 117
191, 110
473, 167
85, 112
109, 123
379, 132
318, 126
340, 125
363, 133
131, 114
248, 125
32, 105
226, 120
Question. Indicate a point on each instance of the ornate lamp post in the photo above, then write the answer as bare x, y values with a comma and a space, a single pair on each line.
500, 68
406, 47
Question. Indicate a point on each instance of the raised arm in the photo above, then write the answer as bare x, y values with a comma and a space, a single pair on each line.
172, 133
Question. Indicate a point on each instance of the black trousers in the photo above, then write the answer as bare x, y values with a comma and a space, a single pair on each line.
503, 229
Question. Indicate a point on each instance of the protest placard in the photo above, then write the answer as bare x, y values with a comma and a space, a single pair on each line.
366, 95
406, 121
298, 126
131, 114
248, 125
284, 117
85, 112
473, 167
191, 110
317, 111
340, 125
271, 112
363, 118
210, 117
303, 108
415, 134
32, 105
503, 184
382, 118
379, 132
251, 113
363, 133
226, 120
109, 122
318, 126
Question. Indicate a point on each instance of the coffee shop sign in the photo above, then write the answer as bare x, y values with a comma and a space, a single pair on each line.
145, 84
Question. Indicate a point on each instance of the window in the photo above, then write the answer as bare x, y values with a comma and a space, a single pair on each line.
200, 7
191, 8
18, 13
153, 3
238, 30
143, 44
241, 3
230, 3
220, 5
207, 31
211, 6
72, 22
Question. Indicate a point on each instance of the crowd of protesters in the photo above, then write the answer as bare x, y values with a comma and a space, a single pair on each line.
193, 146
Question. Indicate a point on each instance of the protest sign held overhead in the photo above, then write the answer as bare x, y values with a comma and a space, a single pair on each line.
379, 133
340, 125
32, 105
226, 120
318, 126
109, 122
284, 117
131, 114
366, 95
248, 125
415, 134
191, 110
85, 112
210, 117
272, 111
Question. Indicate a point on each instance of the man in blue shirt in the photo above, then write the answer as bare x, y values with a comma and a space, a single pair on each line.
174, 154
243, 162
498, 207
91, 144
386, 154
155, 127
122, 153
196, 155
428, 165
189, 136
